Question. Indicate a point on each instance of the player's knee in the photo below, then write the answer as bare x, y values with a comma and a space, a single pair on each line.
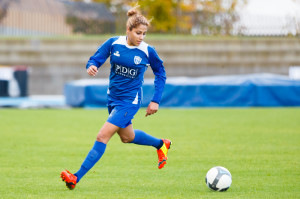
101, 138
126, 139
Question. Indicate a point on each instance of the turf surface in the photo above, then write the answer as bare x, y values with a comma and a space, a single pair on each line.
260, 147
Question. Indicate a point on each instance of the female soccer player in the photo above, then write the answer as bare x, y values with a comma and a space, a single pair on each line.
129, 59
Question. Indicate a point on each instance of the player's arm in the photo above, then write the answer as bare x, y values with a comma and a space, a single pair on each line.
92, 70
152, 108
159, 83
99, 57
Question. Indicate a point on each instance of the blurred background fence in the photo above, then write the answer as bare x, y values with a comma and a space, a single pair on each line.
205, 17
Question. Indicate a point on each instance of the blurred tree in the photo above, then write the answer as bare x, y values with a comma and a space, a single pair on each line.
4, 7
296, 20
184, 16
208, 17
162, 13
215, 17
119, 9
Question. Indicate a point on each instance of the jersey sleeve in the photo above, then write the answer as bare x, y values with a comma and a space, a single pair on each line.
101, 54
160, 74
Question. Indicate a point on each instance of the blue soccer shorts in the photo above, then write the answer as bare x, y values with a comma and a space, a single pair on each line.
122, 114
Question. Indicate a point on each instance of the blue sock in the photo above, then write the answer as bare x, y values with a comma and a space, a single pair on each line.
93, 156
143, 138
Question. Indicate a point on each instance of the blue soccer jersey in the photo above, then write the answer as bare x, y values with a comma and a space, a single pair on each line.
128, 65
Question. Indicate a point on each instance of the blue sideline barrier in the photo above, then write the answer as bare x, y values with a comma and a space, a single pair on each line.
216, 91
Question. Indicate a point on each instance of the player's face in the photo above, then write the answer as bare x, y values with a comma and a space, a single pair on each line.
136, 35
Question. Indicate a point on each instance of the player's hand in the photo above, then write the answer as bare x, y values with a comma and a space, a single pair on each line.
92, 70
152, 108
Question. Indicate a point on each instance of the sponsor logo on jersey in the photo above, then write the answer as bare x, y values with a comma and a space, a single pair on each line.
126, 71
137, 60
117, 54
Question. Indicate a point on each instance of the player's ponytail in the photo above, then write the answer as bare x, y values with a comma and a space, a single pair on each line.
135, 18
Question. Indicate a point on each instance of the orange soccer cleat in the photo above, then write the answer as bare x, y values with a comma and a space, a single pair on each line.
69, 178
162, 153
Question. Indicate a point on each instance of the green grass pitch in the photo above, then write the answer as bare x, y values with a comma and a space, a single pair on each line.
259, 146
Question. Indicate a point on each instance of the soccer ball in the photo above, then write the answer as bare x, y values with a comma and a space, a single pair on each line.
218, 179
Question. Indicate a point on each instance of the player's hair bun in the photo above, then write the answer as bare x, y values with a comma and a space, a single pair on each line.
132, 12
135, 18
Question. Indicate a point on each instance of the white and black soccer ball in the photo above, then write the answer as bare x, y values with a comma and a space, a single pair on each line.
218, 179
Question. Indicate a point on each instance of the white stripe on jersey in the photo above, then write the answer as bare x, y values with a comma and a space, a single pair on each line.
135, 101
122, 41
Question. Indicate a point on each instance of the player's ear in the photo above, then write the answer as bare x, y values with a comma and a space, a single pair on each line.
127, 30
